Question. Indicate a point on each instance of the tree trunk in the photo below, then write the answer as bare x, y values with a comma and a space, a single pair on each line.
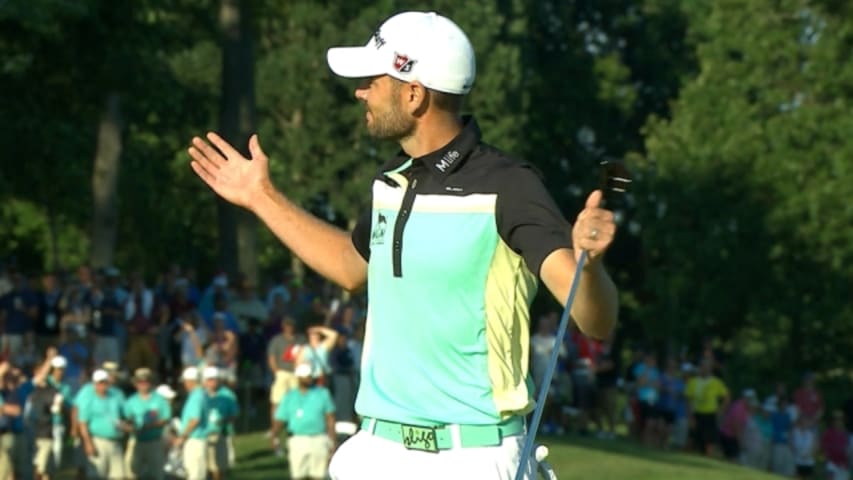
237, 227
105, 183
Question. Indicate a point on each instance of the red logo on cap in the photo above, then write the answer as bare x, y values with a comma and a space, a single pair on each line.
402, 63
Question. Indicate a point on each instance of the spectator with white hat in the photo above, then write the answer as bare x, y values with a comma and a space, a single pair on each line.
58, 364
148, 413
193, 434
83, 396
101, 427
223, 409
309, 415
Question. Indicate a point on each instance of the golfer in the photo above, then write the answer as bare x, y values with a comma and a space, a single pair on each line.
452, 249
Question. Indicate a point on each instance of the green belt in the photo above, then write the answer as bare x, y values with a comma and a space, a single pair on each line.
442, 437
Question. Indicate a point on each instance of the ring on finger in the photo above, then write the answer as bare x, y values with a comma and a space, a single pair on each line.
593, 234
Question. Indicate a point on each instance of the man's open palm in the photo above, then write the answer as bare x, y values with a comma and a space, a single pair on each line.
231, 175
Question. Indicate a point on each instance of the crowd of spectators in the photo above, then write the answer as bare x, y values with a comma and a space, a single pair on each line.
95, 317
256, 336
685, 403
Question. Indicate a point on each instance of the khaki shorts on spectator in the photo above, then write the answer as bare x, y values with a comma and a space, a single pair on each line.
108, 461
5, 464
217, 453
284, 381
308, 455
195, 458
43, 459
145, 460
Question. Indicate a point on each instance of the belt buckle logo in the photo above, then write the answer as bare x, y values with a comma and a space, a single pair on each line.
419, 438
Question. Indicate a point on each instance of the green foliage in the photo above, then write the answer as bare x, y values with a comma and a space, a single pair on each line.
747, 226
733, 115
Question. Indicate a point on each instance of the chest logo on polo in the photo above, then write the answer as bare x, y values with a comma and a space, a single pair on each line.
377, 236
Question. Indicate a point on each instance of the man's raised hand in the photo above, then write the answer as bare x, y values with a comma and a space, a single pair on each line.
231, 175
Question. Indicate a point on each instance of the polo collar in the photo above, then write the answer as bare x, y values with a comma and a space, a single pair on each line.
447, 159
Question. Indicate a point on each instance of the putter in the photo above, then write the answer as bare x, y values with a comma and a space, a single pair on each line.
615, 180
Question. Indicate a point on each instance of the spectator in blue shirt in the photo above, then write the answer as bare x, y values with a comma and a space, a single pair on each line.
19, 310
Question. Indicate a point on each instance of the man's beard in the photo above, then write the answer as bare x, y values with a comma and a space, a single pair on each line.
393, 124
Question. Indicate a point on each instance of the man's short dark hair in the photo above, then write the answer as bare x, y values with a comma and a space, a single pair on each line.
448, 102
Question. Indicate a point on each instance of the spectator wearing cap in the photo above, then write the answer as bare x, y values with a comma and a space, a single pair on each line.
81, 399
148, 413
308, 414
223, 410
101, 428
193, 435
58, 365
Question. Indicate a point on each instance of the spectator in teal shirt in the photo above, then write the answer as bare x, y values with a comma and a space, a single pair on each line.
148, 413
102, 428
193, 435
309, 414
57, 374
223, 410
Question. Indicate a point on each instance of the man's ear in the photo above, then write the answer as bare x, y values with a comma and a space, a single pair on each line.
416, 98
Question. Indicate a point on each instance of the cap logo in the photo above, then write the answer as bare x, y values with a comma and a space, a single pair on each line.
378, 41
402, 63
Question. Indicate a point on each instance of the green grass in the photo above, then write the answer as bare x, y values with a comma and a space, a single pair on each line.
573, 458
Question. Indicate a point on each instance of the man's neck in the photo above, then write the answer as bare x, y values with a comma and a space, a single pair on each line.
145, 395
432, 134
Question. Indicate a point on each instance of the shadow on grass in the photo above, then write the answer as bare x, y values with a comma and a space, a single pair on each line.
629, 448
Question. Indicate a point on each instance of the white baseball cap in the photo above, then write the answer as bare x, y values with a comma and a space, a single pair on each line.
210, 372
409, 46
59, 362
165, 391
100, 375
190, 373
303, 370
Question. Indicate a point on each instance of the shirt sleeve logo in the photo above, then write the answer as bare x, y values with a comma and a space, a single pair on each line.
402, 63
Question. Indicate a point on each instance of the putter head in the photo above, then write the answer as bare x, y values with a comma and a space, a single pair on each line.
615, 180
